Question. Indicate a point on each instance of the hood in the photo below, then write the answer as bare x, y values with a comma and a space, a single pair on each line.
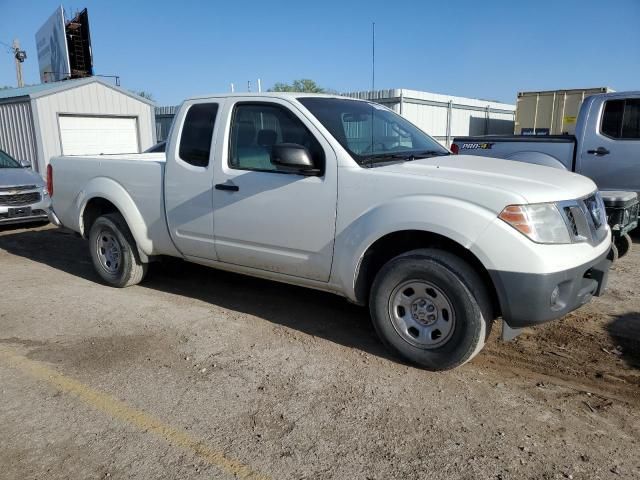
15, 177
534, 183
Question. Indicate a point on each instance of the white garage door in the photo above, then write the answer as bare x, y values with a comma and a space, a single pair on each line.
95, 135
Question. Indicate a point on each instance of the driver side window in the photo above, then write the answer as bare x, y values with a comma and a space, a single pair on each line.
257, 127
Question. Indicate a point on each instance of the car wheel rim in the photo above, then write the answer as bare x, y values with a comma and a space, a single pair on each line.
109, 251
422, 314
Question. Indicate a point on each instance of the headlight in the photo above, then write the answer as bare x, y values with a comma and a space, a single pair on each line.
541, 222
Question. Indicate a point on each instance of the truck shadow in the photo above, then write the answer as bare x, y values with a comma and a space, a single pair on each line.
311, 312
625, 332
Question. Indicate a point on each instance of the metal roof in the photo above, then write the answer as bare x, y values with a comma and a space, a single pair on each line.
25, 91
42, 89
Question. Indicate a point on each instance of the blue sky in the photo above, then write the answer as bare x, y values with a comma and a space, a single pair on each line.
484, 49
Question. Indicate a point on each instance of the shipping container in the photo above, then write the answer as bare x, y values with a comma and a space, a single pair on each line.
551, 112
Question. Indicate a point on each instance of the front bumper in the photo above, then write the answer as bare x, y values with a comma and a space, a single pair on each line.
526, 298
35, 212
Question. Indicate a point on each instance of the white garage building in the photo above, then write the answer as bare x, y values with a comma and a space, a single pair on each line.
73, 117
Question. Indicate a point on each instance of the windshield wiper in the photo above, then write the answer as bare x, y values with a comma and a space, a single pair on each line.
428, 153
407, 157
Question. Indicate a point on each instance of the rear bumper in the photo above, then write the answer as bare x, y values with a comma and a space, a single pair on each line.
528, 299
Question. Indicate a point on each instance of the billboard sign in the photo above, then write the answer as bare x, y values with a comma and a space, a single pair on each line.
53, 54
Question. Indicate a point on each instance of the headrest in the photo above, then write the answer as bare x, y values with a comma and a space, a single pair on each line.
267, 138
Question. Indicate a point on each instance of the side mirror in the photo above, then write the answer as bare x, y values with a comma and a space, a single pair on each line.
25, 163
293, 158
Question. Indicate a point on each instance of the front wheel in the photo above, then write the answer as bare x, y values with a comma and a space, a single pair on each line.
432, 308
114, 252
623, 244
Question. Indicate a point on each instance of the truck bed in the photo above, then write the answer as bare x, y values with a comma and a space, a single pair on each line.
137, 179
548, 150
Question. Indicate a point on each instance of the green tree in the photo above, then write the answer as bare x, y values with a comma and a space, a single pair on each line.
305, 85
143, 94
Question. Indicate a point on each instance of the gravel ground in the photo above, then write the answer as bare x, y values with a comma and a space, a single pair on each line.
203, 374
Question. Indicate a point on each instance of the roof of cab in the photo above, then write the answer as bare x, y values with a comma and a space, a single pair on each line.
289, 95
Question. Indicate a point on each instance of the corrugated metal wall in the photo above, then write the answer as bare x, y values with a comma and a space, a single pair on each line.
17, 136
444, 116
89, 99
164, 119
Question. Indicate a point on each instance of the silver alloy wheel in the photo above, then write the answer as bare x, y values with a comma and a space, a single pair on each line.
109, 251
421, 313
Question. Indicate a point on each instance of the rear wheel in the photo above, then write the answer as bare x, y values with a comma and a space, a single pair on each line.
432, 308
114, 252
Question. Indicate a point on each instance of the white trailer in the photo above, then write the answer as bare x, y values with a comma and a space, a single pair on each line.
445, 116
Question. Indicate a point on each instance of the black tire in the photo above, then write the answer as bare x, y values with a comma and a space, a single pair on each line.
624, 245
613, 253
128, 269
463, 289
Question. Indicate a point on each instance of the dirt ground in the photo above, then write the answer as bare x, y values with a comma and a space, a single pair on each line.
203, 374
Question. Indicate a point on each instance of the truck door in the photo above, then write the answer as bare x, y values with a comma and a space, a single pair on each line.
188, 182
610, 150
263, 218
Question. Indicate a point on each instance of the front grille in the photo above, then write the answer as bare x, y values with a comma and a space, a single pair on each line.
37, 214
19, 199
20, 188
571, 220
585, 218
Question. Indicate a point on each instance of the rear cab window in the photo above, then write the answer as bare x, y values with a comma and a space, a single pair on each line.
197, 134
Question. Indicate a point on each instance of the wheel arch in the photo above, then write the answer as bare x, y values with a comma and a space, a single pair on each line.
396, 243
103, 196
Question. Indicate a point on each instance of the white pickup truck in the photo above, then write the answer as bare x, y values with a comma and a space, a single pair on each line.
348, 197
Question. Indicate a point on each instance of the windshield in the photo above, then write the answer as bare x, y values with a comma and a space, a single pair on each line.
7, 162
372, 133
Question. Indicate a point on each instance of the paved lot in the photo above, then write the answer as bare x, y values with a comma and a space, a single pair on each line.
204, 374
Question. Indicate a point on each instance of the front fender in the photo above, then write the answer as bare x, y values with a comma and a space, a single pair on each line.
109, 189
452, 218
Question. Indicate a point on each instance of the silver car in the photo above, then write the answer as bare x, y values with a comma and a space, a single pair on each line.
23, 194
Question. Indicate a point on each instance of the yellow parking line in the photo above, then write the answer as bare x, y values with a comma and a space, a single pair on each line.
120, 410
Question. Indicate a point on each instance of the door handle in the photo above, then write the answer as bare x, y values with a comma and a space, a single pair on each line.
228, 186
599, 151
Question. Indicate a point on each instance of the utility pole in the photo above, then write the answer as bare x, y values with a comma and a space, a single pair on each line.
20, 56
373, 56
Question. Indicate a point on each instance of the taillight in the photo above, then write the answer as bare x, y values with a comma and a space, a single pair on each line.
50, 180
454, 148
